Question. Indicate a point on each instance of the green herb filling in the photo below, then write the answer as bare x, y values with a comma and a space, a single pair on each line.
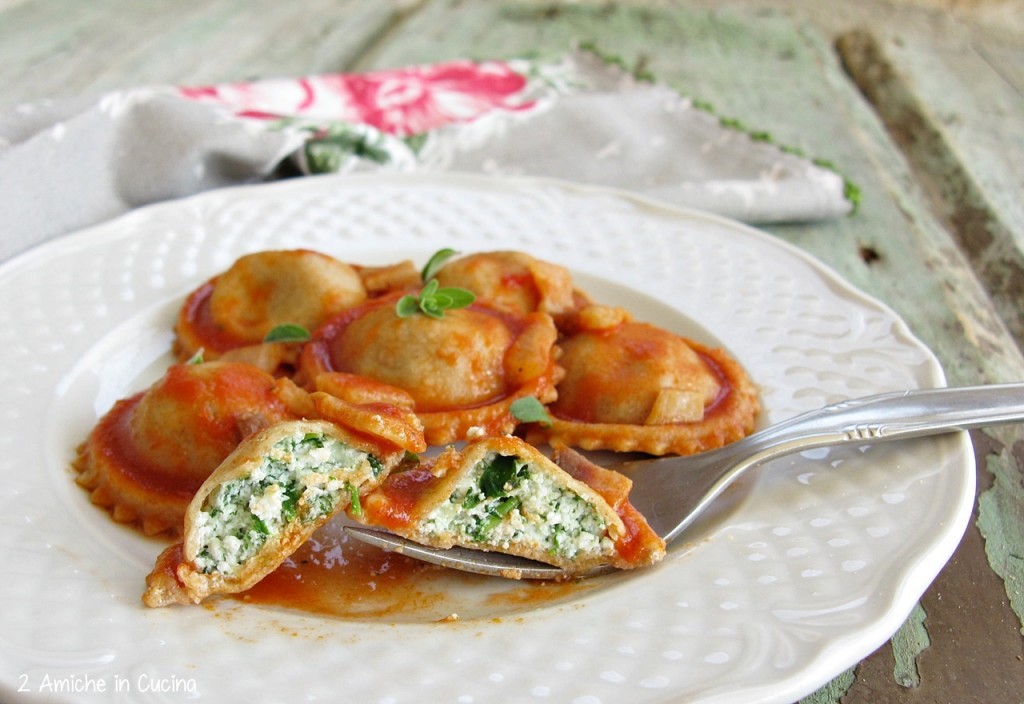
504, 501
297, 480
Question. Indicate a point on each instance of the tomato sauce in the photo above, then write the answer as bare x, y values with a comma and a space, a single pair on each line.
196, 323
395, 499
112, 438
337, 576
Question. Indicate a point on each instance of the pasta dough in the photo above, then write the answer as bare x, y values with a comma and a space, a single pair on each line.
450, 363
462, 371
513, 281
261, 291
634, 387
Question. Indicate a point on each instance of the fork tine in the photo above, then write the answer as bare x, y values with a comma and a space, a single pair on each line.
497, 564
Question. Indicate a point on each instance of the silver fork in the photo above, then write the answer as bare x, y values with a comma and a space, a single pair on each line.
672, 492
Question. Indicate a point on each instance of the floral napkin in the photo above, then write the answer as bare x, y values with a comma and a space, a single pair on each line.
69, 164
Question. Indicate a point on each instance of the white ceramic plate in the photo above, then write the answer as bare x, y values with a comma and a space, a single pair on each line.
814, 565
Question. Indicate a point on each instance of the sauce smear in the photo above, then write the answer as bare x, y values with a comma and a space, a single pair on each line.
338, 576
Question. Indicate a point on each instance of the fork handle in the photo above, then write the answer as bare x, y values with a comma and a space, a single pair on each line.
897, 415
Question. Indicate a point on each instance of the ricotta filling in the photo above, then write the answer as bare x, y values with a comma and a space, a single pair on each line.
296, 481
504, 501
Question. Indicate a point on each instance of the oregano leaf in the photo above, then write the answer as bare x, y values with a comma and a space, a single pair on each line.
435, 262
407, 306
433, 301
529, 410
287, 332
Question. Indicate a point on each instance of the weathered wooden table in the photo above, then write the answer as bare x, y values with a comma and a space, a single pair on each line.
920, 104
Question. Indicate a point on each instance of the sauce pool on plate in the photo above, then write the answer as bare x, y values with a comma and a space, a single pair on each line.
337, 576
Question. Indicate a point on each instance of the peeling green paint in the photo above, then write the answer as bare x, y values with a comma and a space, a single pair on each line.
910, 641
1001, 521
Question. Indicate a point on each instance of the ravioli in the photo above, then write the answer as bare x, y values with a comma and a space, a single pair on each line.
462, 370
149, 454
513, 281
263, 502
262, 291
501, 494
631, 386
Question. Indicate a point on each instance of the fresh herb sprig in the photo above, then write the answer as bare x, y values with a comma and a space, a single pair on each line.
529, 410
287, 332
436, 261
434, 300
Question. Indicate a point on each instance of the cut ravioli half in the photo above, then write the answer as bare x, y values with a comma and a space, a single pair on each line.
501, 494
262, 503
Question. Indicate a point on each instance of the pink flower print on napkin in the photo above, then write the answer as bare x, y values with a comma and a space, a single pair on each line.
276, 99
402, 102
419, 99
